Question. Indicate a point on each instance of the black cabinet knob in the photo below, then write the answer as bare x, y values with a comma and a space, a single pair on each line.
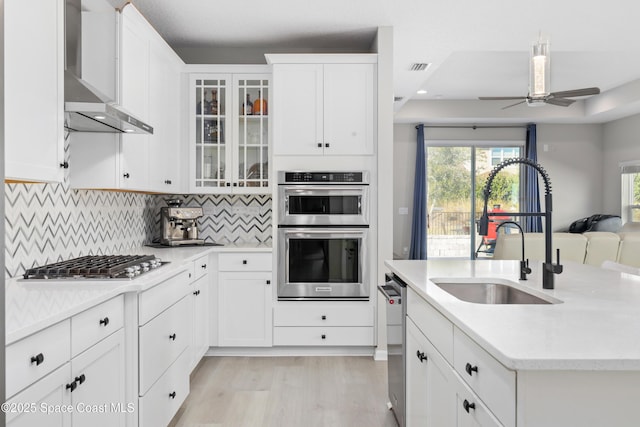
196, 293
421, 356
235, 184
228, 184
64, 165
189, 275
167, 181
326, 145
172, 395
324, 317
319, 145
466, 405
80, 379
126, 175
470, 369
244, 262
172, 337
204, 266
324, 336
37, 359
104, 321
268, 282
72, 386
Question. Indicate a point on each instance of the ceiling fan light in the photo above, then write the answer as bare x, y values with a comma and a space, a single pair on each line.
539, 72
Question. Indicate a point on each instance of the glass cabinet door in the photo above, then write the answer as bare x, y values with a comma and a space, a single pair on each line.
211, 139
252, 154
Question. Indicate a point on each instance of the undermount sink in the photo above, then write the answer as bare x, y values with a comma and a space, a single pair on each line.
489, 292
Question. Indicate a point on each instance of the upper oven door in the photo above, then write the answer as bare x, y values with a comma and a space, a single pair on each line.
323, 205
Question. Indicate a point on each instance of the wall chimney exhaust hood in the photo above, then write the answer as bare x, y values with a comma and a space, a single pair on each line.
87, 108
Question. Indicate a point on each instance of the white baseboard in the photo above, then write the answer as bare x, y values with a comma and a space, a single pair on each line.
291, 351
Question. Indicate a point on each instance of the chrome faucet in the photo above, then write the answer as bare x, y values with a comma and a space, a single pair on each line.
549, 269
524, 265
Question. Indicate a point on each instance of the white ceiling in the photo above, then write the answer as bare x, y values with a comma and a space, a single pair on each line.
476, 47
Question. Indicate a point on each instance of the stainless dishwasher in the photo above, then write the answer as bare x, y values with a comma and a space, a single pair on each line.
395, 292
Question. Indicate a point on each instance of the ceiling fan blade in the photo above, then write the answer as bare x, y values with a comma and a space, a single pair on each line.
576, 92
499, 98
562, 102
513, 105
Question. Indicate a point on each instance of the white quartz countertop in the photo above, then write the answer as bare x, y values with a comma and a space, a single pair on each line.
34, 305
596, 327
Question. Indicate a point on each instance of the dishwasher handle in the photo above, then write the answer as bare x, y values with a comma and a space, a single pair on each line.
390, 293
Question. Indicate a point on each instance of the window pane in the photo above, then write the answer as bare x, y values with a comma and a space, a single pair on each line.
636, 189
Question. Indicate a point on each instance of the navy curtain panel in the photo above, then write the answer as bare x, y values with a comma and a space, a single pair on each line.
419, 224
531, 188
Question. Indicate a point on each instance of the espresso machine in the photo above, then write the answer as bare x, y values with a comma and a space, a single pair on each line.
180, 226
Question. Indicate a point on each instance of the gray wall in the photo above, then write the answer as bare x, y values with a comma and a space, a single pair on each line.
621, 144
573, 160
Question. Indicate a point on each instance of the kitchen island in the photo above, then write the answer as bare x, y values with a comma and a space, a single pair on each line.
573, 362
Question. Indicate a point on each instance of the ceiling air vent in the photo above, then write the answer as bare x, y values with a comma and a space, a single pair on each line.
398, 98
419, 66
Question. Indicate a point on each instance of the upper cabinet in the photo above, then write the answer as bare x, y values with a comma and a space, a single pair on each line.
34, 90
229, 132
149, 88
324, 104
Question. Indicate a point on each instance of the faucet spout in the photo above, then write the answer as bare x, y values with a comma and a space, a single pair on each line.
549, 268
524, 264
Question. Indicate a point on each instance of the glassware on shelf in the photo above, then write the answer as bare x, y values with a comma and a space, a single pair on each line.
260, 106
247, 107
214, 102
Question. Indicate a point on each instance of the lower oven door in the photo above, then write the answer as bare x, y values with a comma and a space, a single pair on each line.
323, 264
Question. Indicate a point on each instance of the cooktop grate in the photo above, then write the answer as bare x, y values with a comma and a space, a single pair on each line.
95, 267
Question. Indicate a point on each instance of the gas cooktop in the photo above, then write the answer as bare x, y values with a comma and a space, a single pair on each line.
96, 267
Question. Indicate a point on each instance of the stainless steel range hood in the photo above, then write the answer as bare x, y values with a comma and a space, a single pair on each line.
88, 109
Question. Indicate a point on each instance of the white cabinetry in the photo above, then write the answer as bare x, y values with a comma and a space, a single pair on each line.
200, 310
229, 142
324, 104
34, 90
150, 77
245, 300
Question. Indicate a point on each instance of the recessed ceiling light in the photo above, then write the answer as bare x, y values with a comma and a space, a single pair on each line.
421, 92
99, 117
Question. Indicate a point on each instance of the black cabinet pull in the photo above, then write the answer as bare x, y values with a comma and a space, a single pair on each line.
319, 145
235, 184
268, 282
470, 369
421, 356
466, 405
64, 165
172, 337
326, 145
167, 181
189, 275
244, 262
324, 336
196, 293
324, 317
228, 184
126, 175
104, 321
204, 266
172, 395
72, 386
37, 359
80, 379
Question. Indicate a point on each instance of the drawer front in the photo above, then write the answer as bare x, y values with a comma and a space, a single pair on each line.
159, 405
162, 340
35, 356
471, 411
323, 336
490, 380
438, 329
243, 261
95, 324
310, 315
157, 299
201, 266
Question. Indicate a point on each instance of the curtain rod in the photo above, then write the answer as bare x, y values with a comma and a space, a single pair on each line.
474, 127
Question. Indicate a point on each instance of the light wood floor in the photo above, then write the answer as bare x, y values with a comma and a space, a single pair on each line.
287, 392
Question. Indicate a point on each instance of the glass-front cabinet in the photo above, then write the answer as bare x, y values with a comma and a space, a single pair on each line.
229, 128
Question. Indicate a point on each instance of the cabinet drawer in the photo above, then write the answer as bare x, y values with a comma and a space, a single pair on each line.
470, 410
244, 261
33, 357
323, 336
91, 326
490, 380
159, 405
436, 327
201, 266
162, 340
155, 300
306, 315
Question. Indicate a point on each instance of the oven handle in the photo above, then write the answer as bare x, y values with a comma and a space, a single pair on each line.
342, 232
350, 190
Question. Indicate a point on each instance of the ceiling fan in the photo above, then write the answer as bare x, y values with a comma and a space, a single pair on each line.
540, 83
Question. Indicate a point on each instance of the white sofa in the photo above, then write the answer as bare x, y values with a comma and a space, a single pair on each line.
592, 248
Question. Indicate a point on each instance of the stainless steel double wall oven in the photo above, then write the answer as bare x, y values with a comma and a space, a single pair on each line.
323, 235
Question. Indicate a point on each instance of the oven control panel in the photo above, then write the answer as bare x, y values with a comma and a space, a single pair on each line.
323, 177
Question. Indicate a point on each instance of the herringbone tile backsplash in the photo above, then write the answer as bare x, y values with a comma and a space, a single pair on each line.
46, 223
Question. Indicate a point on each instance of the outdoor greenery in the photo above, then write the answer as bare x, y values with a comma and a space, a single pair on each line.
636, 188
504, 188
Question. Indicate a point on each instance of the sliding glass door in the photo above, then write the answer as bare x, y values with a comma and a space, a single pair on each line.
456, 175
